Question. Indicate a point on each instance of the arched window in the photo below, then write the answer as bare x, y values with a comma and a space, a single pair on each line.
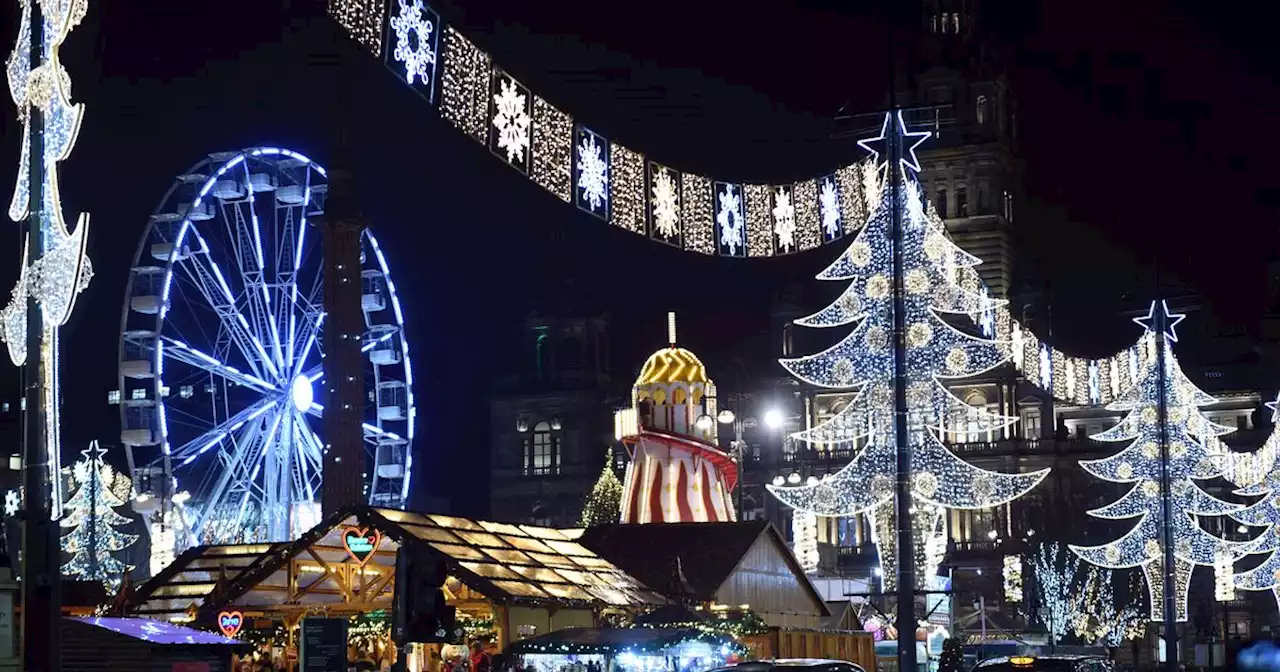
982, 109
940, 203
542, 451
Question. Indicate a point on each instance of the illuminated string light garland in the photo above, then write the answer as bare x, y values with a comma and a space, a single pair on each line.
759, 209
855, 189
1140, 464
551, 147
627, 202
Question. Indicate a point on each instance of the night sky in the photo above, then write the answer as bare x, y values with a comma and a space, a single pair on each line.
1145, 134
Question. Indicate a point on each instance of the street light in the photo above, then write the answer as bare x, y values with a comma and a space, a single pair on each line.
726, 417
704, 422
794, 478
773, 418
779, 480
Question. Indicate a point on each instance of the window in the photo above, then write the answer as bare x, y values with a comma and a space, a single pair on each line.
982, 109
1008, 205
1031, 423
940, 203
962, 201
983, 189
542, 451
1242, 422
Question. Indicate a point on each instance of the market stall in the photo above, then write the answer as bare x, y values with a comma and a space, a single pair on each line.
626, 650
506, 581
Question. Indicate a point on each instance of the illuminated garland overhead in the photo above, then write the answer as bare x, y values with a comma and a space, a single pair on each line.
692, 212
1140, 464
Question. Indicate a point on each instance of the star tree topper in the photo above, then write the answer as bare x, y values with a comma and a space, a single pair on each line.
910, 140
1151, 320
1275, 408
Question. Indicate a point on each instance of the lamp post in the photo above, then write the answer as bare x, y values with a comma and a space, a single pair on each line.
737, 448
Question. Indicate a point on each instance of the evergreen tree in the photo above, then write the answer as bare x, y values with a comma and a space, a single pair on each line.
1187, 433
91, 516
952, 659
936, 297
603, 505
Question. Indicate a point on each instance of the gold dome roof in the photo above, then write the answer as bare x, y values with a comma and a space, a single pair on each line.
672, 365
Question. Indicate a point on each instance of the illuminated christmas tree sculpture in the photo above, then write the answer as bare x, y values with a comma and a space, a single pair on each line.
92, 519
863, 363
1187, 433
604, 503
1264, 513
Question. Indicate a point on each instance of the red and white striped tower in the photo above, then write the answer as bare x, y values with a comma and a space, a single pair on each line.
677, 472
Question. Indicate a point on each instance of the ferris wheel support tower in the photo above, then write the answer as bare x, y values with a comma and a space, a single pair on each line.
344, 327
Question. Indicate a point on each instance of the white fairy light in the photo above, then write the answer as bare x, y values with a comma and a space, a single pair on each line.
551, 148
624, 174
697, 212
758, 200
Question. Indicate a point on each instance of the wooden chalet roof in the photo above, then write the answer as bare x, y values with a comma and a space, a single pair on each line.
505, 563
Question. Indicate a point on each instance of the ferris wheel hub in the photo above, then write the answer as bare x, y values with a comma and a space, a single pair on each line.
301, 393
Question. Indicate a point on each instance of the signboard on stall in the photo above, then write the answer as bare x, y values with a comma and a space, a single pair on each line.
324, 645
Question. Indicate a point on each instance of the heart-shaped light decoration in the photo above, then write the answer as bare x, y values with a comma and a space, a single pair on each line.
230, 622
361, 543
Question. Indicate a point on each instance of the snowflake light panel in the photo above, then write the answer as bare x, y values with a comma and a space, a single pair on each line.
731, 219
784, 221
510, 121
591, 172
413, 38
664, 204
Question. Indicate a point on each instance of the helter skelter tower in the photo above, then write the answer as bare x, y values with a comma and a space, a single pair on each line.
902, 275
54, 271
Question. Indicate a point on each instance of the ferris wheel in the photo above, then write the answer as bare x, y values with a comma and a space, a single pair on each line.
221, 352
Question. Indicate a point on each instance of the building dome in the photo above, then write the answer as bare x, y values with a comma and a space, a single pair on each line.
672, 365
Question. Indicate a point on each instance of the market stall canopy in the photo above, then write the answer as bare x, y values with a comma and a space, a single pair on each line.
611, 640
504, 563
94, 643
729, 563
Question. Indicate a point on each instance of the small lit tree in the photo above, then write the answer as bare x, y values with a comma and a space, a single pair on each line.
952, 659
603, 505
93, 521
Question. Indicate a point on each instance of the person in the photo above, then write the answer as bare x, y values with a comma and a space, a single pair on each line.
480, 661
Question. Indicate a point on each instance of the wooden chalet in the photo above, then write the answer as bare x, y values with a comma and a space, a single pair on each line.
524, 580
